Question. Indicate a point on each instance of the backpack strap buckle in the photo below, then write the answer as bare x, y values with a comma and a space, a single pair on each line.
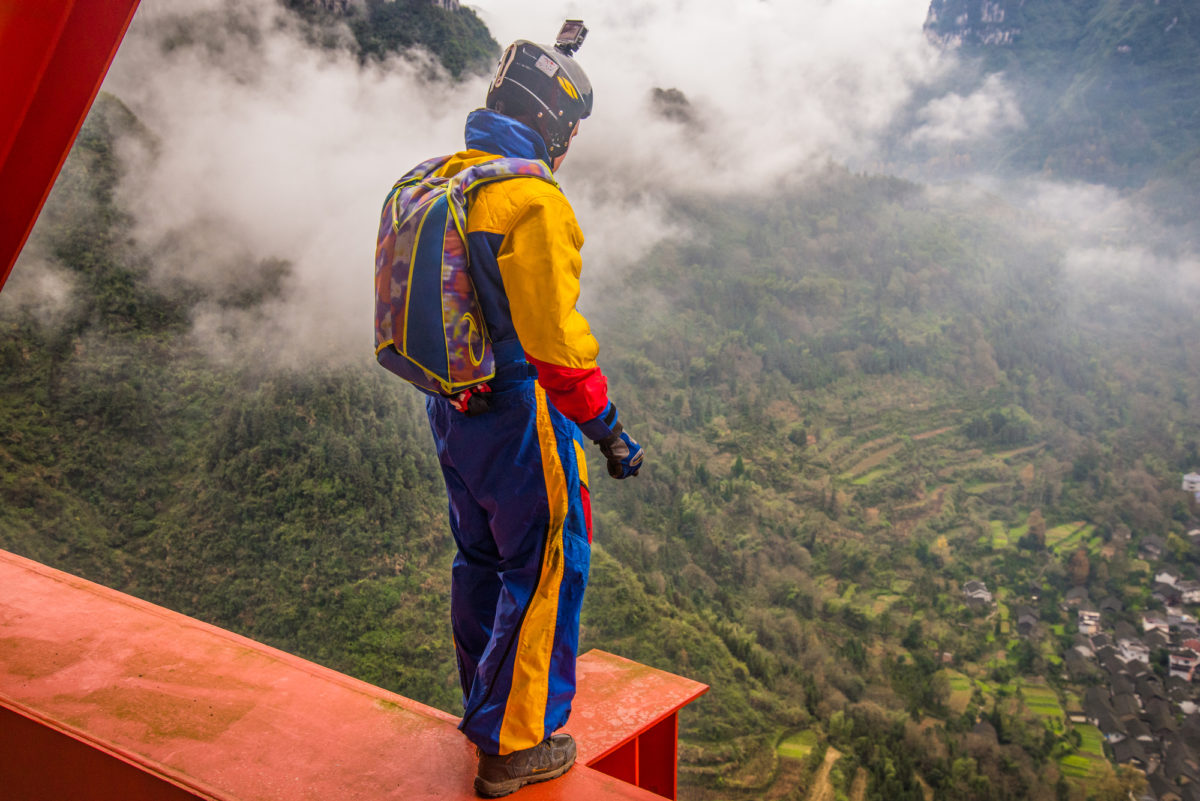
473, 401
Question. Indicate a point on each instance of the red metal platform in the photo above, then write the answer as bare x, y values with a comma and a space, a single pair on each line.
53, 56
104, 696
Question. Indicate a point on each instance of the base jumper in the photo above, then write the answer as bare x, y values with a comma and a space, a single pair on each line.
515, 472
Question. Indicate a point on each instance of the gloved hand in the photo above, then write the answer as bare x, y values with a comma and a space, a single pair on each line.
624, 455
622, 452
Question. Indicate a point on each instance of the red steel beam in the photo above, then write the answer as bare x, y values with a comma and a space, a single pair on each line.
108, 698
53, 57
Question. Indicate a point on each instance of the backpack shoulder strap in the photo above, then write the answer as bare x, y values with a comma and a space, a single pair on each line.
498, 169
423, 170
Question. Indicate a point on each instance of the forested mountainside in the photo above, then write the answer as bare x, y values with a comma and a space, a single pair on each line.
452, 32
1108, 89
893, 431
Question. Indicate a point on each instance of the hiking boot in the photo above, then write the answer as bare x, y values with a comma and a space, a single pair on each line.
501, 775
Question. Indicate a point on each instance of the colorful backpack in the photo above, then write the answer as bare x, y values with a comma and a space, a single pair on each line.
429, 328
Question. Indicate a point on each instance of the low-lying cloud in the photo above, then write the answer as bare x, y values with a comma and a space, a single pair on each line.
272, 148
990, 110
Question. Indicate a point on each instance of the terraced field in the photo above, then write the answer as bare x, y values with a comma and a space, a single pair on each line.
1068, 537
1089, 762
1043, 702
798, 746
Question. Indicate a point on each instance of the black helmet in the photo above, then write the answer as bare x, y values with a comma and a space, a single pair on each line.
544, 87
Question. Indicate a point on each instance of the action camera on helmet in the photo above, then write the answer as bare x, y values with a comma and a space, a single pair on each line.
571, 36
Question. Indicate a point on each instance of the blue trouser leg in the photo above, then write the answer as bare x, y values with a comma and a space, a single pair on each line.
513, 479
472, 607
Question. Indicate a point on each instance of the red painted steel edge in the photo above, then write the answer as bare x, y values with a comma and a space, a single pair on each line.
41, 760
626, 719
619, 698
53, 56
121, 689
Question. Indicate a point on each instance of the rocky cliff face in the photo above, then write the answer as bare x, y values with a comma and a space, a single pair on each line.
986, 22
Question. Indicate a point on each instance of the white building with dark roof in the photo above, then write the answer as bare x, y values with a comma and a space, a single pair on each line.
1183, 663
1133, 651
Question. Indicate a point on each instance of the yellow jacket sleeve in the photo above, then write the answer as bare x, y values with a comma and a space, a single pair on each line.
540, 264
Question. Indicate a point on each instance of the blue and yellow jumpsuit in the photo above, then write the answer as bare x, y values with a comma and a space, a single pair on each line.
516, 475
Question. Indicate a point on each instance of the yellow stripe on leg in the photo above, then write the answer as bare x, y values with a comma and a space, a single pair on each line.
525, 712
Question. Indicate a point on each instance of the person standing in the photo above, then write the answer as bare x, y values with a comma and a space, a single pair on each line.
515, 472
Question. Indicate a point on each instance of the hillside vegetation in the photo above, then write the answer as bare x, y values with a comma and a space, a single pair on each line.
856, 397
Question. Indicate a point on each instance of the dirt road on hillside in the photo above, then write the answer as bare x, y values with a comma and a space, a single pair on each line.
822, 790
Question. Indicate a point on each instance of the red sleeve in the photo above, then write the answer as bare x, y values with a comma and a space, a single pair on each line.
579, 393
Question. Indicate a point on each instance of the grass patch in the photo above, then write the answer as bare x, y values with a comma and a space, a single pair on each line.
961, 689
864, 480
798, 746
1000, 540
883, 603
1006, 455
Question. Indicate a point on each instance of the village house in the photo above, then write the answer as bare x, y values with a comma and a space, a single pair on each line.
1183, 663
1133, 651
977, 594
1151, 548
1162, 788
1180, 620
1167, 576
1165, 594
1130, 752
1156, 639
1155, 620
1027, 619
1191, 483
1076, 596
1089, 620
1189, 591
1149, 687
1127, 708
1111, 606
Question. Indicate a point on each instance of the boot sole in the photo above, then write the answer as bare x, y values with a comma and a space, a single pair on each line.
488, 789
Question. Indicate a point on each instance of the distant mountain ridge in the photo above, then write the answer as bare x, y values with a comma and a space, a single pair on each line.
459, 39
1110, 88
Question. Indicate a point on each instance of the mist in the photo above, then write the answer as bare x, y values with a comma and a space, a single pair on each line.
268, 147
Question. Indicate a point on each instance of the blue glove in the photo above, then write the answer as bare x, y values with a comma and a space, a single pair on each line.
624, 455
622, 452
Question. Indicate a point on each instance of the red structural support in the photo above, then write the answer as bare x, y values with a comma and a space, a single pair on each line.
626, 720
53, 56
109, 698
